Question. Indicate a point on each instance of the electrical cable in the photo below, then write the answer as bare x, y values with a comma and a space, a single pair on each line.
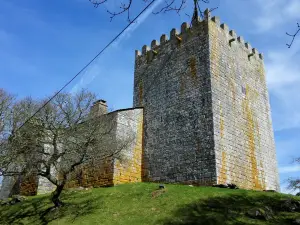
114, 39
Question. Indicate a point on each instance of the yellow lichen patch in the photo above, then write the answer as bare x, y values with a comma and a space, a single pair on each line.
131, 169
261, 73
92, 174
250, 134
193, 70
234, 171
28, 186
257, 134
140, 93
223, 176
179, 41
182, 84
221, 122
251, 93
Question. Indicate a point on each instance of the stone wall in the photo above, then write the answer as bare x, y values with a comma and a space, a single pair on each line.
28, 185
98, 172
125, 137
172, 83
14, 185
128, 168
243, 133
206, 109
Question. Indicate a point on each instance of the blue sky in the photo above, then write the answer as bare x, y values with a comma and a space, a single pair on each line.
45, 43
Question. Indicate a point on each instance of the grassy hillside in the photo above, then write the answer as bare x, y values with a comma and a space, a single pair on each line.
137, 204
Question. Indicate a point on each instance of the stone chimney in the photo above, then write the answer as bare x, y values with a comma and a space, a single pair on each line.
99, 108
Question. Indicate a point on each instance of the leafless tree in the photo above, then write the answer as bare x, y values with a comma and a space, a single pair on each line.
61, 137
294, 183
16, 113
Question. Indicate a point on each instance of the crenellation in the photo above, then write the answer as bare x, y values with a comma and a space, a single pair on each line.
216, 20
184, 27
137, 53
187, 32
154, 44
207, 14
255, 52
232, 36
173, 34
163, 38
248, 45
261, 56
241, 40
145, 49
232, 33
225, 27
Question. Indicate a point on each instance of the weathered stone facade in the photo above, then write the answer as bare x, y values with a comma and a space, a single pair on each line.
127, 125
243, 134
206, 109
201, 115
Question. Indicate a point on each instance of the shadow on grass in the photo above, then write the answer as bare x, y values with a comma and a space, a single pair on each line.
231, 209
40, 210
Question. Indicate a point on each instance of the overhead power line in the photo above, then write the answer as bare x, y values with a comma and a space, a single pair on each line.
113, 40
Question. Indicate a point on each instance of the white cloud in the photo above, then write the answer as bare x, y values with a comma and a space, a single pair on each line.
137, 23
283, 77
88, 75
94, 70
274, 13
292, 10
289, 169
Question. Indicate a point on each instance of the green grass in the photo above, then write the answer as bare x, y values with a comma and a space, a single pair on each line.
134, 204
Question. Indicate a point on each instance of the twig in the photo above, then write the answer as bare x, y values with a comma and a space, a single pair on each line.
293, 36
96, 3
169, 7
124, 8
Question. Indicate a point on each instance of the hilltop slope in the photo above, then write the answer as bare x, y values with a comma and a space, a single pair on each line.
141, 203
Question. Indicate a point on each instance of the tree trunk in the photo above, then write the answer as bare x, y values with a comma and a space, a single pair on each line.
55, 196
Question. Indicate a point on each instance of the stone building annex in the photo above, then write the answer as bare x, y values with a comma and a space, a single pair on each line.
201, 114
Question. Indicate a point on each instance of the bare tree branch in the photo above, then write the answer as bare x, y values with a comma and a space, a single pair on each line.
124, 8
61, 137
293, 36
169, 5
97, 3
294, 183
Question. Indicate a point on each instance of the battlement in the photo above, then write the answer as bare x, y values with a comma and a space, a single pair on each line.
187, 32
175, 37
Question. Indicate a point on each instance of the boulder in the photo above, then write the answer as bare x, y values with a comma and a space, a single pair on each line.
232, 186
290, 205
265, 213
13, 200
161, 186
220, 185
296, 221
270, 191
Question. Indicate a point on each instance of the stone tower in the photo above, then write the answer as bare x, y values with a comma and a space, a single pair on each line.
207, 115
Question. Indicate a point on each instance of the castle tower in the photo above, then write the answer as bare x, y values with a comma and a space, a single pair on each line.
207, 115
